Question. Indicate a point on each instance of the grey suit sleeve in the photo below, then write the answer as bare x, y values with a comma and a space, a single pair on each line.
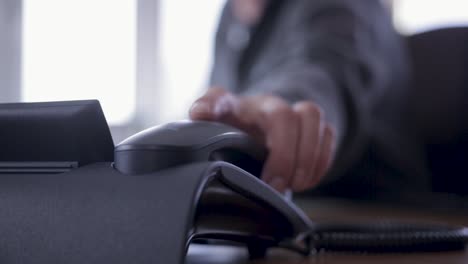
340, 54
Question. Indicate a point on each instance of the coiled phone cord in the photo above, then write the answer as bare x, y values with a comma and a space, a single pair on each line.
387, 237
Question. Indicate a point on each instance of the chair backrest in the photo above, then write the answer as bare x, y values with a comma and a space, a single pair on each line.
438, 102
439, 94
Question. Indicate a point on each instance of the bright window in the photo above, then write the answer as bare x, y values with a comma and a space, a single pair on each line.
187, 37
416, 16
81, 49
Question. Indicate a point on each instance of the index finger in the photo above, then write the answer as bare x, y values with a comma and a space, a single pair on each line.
204, 107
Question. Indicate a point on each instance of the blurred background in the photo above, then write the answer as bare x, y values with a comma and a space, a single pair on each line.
144, 60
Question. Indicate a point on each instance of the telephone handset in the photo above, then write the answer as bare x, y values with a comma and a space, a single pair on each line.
240, 207
182, 142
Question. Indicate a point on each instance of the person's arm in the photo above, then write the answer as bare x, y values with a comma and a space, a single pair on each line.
341, 55
335, 57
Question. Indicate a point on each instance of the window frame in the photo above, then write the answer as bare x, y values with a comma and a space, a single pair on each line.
147, 65
147, 72
10, 49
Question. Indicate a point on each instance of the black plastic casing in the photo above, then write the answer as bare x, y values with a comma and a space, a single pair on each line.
54, 132
95, 214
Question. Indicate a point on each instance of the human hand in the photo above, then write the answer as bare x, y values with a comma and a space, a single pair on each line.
300, 142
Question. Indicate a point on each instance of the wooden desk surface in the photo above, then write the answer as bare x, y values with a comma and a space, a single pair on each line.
330, 211
224, 255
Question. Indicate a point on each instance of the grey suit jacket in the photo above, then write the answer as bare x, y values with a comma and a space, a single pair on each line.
343, 55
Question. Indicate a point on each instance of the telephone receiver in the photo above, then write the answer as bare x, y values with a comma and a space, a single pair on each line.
183, 142
239, 207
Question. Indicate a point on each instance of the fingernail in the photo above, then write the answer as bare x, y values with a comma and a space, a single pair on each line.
221, 109
223, 106
278, 184
200, 108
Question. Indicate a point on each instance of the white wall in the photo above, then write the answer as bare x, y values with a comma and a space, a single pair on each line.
417, 16
187, 31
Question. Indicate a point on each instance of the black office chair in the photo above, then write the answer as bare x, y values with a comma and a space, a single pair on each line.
437, 111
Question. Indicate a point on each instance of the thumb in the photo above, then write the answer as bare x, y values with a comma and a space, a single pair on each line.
204, 108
